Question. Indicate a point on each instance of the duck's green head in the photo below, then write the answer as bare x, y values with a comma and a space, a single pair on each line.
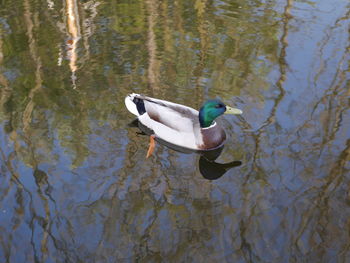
213, 109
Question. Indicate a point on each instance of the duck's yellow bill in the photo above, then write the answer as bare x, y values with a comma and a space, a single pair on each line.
230, 110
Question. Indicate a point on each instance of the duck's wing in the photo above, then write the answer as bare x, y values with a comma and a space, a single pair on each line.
175, 116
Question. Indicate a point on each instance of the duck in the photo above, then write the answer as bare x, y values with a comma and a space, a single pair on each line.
178, 124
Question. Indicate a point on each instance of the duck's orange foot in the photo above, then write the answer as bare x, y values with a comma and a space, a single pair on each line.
152, 145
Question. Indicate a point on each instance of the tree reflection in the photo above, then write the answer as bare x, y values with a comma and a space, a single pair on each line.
131, 26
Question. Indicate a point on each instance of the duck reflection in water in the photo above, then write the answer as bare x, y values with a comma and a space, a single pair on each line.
209, 169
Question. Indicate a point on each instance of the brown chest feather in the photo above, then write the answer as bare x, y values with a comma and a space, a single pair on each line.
212, 137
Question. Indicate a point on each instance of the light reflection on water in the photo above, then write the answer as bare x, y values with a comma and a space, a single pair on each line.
75, 185
74, 31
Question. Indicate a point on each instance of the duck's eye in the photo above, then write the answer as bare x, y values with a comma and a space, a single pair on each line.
219, 106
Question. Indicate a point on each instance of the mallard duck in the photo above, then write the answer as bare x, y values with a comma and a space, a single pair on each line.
178, 124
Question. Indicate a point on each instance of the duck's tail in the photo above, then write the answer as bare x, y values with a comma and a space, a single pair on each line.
134, 103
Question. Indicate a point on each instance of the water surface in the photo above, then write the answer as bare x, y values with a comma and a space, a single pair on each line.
75, 185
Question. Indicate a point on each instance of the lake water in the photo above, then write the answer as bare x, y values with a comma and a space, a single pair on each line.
75, 184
